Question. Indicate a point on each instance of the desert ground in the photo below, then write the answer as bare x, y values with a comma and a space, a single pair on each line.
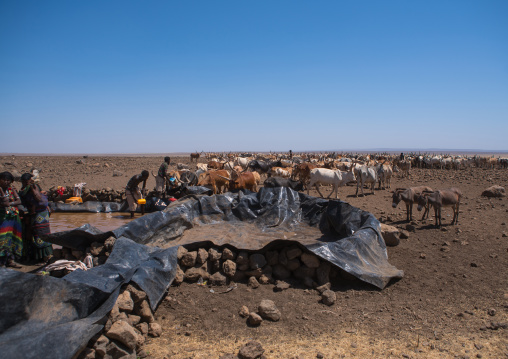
451, 303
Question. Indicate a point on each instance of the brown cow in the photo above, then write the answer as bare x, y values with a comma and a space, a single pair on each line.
243, 180
214, 165
302, 172
194, 156
217, 180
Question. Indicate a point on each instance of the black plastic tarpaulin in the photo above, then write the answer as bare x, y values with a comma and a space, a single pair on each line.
56, 317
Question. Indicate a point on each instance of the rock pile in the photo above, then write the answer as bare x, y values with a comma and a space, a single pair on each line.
125, 328
219, 267
102, 195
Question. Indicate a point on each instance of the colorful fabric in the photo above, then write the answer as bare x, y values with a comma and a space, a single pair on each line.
11, 235
40, 226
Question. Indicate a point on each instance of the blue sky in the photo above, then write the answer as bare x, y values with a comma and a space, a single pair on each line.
184, 76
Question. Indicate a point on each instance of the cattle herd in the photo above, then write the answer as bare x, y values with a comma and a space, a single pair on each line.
232, 171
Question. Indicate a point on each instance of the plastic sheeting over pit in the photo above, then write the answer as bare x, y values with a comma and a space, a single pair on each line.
51, 317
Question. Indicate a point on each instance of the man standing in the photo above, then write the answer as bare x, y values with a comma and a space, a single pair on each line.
132, 192
160, 179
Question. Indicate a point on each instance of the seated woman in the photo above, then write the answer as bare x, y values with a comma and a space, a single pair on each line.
36, 220
11, 242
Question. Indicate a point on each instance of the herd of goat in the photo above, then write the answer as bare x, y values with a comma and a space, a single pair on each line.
304, 171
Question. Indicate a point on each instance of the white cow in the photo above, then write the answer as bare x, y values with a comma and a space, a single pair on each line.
242, 161
335, 178
385, 173
365, 175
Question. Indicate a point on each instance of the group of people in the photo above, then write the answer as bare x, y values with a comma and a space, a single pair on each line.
24, 220
163, 179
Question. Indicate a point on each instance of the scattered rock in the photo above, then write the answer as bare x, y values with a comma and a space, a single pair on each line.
324, 287
253, 282
390, 235
268, 310
154, 329
265, 279
254, 319
328, 297
494, 191
251, 350
280, 286
243, 312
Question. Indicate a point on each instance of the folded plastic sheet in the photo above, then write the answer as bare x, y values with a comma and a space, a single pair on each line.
56, 317
89, 206
46, 317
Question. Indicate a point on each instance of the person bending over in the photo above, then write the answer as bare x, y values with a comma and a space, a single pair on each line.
132, 192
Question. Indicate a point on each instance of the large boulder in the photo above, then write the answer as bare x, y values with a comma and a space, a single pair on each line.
390, 235
494, 191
